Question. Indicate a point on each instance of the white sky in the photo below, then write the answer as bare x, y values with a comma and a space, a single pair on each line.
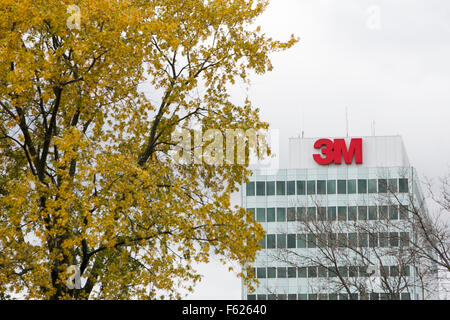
394, 70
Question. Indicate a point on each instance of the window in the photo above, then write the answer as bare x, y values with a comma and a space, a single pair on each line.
251, 297
292, 296
342, 213
406, 296
363, 271
281, 241
281, 188
331, 213
260, 188
301, 214
301, 187
312, 272
351, 186
394, 271
292, 272
250, 189
290, 214
372, 186
352, 213
271, 272
332, 272
373, 240
262, 243
382, 185
323, 272
342, 240
311, 187
312, 213
362, 213
270, 214
281, 214
404, 214
393, 239
383, 239
331, 186
321, 187
343, 271
331, 239
374, 296
270, 186
261, 297
312, 296
322, 213
312, 240
343, 296
403, 185
302, 296
393, 212
362, 240
261, 215
281, 272
384, 270
383, 212
301, 241
354, 296
392, 185
322, 240
291, 187
252, 211
353, 271
301, 272
291, 239
362, 186
405, 271
332, 296
270, 241
404, 239
261, 273
271, 297
342, 186
352, 240
372, 213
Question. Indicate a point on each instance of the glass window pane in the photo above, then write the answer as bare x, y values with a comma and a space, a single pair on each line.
270, 185
251, 297
363, 240
352, 213
311, 187
292, 272
362, 213
260, 273
382, 185
331, 186
261, 215
312, 240
281, 272
342, 240
343, 271
372, 186
331, 213
301, 272
292, 296
343, 296
260, 188
262, 243
290, 214
352, 239
393, 212
362, 186
270, 241
270, 214
291, 187
252, 211
262, 297
281, 214
312, 272
342, 186
383, 239
321, 187
291, 241
301, 240
351, 186
373, 240
404, 239
250, 189
302, 296
403, 185
301, 214
301, 187
312, 213
404, 212
281, 188
394, 239
281, 241
342, 213
392, 185
271, 272
372, 213
322, 213
383, 212
323, 272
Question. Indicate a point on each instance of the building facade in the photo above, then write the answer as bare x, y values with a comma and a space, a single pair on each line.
337, 222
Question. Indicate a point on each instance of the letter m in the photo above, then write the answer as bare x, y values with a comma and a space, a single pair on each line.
355, 149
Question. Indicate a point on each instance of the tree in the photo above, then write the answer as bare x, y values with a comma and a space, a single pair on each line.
88, 175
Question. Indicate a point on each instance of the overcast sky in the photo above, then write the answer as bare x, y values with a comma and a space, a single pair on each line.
387, 61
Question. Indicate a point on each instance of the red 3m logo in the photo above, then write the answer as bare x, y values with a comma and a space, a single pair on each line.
332, 151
